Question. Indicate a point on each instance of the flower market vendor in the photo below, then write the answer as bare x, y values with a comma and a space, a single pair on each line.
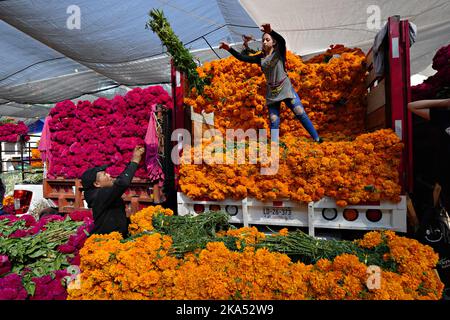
246, 50
279, 87
103, 194
437, 111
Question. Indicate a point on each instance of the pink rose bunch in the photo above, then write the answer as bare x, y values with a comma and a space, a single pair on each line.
11, 132
32, 226
102, 132
432, 86
50, 288
12, 218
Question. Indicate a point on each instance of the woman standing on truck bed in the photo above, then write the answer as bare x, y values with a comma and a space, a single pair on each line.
279, 87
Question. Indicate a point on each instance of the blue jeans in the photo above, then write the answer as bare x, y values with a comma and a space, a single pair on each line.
297, 107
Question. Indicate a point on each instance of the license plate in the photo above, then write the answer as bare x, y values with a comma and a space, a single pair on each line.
283, 213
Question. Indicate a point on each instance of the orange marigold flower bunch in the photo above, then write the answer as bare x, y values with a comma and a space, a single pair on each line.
118, 270
8, 200
415, 265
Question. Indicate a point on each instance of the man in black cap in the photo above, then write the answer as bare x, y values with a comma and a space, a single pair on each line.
2, 195
104, 195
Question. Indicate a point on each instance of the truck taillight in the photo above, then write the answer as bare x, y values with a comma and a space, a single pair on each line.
22, 200
329, 214
214, 207
199, 208
373, 215
351, 214
231, 210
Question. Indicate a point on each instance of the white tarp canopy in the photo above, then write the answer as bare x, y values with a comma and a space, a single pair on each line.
45, 57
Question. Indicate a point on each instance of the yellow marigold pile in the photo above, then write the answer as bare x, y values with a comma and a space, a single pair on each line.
361, 170
8, 200
142, 268
250, 235
350, 166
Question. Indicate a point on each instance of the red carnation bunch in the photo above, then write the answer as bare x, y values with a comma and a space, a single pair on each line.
18, 280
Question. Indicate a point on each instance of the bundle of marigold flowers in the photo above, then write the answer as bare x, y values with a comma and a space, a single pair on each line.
12, 132
349, 171
436, 86
350, 166
142, 220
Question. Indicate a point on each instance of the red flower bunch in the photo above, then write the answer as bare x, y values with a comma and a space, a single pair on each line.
101, 132
82, 215
11, 132
9, 209
50, 288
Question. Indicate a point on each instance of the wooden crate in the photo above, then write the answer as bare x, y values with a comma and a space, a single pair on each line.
66, 194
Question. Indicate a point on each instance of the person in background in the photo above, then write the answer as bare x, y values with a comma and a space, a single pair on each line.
104, 195
437, 111
272, 60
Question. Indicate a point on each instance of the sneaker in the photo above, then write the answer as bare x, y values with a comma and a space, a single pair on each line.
320, 140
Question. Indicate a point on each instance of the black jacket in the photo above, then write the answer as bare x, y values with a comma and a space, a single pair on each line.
107, 204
